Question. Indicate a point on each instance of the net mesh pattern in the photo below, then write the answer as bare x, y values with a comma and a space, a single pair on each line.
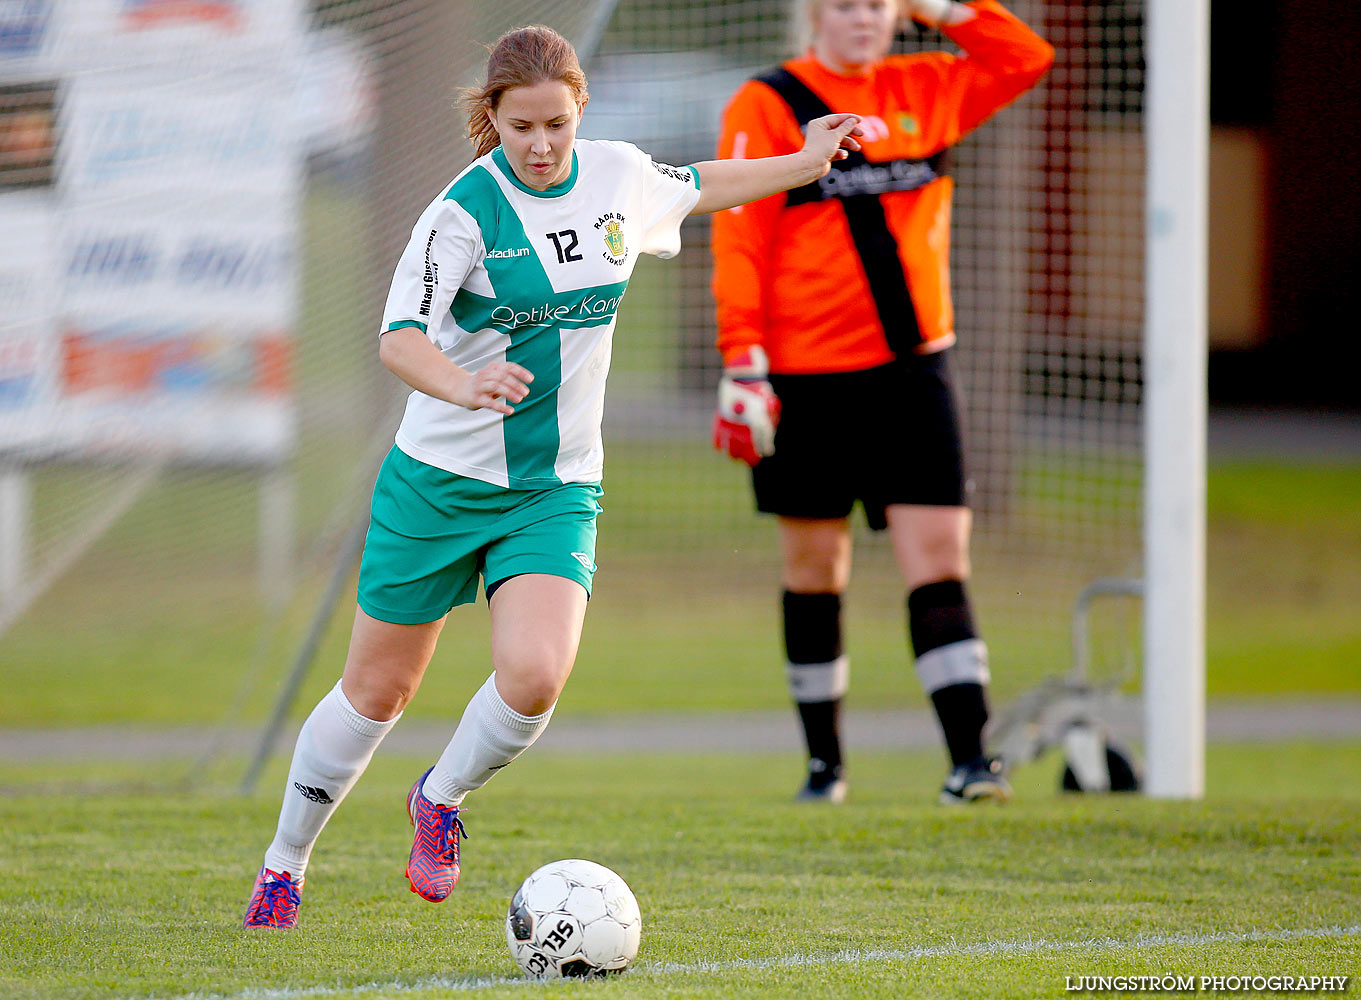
163, 565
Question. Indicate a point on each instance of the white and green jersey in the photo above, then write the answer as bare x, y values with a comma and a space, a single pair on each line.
498, 271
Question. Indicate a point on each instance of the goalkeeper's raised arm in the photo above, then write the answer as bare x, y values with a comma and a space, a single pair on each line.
729, 183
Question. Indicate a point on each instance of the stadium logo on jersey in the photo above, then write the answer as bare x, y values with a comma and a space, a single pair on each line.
504, 254
611, 226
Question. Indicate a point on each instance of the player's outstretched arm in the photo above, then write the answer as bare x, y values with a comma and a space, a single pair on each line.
727, 183
410, 355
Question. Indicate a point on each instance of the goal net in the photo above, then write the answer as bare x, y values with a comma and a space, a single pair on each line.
1047, 244
192, 410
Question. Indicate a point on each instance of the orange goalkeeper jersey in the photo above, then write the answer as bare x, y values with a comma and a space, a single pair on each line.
846, 273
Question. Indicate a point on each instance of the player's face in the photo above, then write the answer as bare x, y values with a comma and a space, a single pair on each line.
537, 126
852, 34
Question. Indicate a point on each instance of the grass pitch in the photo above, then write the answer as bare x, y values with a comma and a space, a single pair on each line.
119, 890
688, 619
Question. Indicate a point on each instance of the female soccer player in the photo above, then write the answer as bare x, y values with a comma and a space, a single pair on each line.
835, 321
499, 317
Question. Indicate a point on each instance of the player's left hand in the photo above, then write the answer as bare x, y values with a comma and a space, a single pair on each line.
831, 137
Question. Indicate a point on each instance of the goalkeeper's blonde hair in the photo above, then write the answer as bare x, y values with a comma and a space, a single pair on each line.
522, 57
805, 13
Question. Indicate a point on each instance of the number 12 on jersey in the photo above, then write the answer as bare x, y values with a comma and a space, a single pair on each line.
565, 252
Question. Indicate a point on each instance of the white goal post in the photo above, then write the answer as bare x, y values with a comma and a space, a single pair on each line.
1177, 130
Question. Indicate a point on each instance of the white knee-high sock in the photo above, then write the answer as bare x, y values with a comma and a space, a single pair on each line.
333, 748
490, 735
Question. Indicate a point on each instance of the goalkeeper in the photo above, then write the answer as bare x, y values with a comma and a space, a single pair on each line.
835, 323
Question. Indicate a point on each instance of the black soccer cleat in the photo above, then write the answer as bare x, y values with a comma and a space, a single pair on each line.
824, 784
980, 780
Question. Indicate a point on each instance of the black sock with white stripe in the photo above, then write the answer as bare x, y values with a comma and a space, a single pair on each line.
963, 711
818, 675
822, 731
952, 664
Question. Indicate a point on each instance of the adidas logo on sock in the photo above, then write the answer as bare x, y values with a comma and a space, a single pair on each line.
315, 794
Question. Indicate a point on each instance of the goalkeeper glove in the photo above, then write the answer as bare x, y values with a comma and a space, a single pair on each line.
748, 409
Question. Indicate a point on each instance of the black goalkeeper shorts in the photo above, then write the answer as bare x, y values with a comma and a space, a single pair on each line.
886, 435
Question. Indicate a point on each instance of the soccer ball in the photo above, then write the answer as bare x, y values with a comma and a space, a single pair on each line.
573, 918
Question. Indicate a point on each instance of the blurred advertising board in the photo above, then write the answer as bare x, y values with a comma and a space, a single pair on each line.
106, 34
149, 267
149, 130
29, 346
28, 39
228, 260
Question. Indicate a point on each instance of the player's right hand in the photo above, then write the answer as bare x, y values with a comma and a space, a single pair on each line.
495, 387
748, 409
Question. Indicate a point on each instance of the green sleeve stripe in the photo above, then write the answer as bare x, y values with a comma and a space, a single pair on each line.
692, 170
477, 194
404, 324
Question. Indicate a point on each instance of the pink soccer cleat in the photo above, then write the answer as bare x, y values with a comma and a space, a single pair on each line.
274, 903
432, 869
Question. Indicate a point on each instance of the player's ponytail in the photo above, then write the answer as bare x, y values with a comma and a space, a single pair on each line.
523, 57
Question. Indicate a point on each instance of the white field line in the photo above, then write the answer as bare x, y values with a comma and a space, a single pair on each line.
984, 949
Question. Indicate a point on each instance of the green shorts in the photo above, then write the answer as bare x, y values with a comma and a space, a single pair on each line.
432, 532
